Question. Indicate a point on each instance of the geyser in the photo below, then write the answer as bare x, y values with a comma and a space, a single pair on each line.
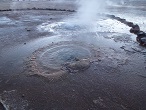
88, 10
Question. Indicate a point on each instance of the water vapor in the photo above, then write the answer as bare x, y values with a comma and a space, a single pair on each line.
88, 10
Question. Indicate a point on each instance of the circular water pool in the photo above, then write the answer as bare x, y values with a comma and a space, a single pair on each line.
62, 56
59, 55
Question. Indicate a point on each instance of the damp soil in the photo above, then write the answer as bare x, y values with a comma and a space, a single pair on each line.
106, 71
2, 107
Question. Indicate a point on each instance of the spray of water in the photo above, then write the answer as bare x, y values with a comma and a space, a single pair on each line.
86, 15
88, 10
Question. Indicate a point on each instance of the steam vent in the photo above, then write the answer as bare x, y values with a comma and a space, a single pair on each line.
72, 55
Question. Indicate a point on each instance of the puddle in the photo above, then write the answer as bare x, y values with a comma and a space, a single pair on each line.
6, 21
28, 48
91, 35
15, 56
107, 25
63, 28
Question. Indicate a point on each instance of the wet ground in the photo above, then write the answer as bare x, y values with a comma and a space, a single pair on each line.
48, 62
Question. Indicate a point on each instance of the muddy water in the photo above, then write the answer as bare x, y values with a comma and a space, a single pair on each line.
114, 79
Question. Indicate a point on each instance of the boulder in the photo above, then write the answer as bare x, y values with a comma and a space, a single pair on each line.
141, 38
79, 65
135, 29
130, 24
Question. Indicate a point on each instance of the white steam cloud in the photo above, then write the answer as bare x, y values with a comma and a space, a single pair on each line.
88, 10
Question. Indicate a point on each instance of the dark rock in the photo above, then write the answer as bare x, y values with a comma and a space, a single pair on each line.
28, 9
2, 107
136, 26
135, 29
112, 16
141, 38
28, 29
130, 24
123, 20
118, 18
34, 8
23, 96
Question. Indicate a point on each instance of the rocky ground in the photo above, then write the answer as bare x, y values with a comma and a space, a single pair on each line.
111, 77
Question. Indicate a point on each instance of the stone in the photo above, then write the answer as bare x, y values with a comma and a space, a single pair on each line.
130, 24
141, 38
79, 65
135, 29
123, 20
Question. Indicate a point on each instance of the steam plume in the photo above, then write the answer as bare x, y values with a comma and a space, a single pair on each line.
88, 9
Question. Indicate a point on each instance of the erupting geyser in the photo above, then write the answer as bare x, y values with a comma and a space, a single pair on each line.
88, 10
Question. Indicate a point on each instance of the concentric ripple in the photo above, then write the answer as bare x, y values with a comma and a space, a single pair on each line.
61, 58
58, 55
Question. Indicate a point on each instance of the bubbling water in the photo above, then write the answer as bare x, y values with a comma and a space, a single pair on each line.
59, 55
58, 60
62, 56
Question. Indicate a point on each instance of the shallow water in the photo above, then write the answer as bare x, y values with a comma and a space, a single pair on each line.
59, 55
5, 20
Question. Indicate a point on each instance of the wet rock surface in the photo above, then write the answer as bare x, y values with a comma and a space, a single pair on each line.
135, 29
11, 100
2, 107
79, 65
109, 75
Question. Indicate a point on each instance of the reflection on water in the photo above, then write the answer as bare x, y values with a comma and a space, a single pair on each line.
58, 55
4, 20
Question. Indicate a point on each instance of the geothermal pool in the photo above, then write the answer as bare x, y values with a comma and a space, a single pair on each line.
49, 60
